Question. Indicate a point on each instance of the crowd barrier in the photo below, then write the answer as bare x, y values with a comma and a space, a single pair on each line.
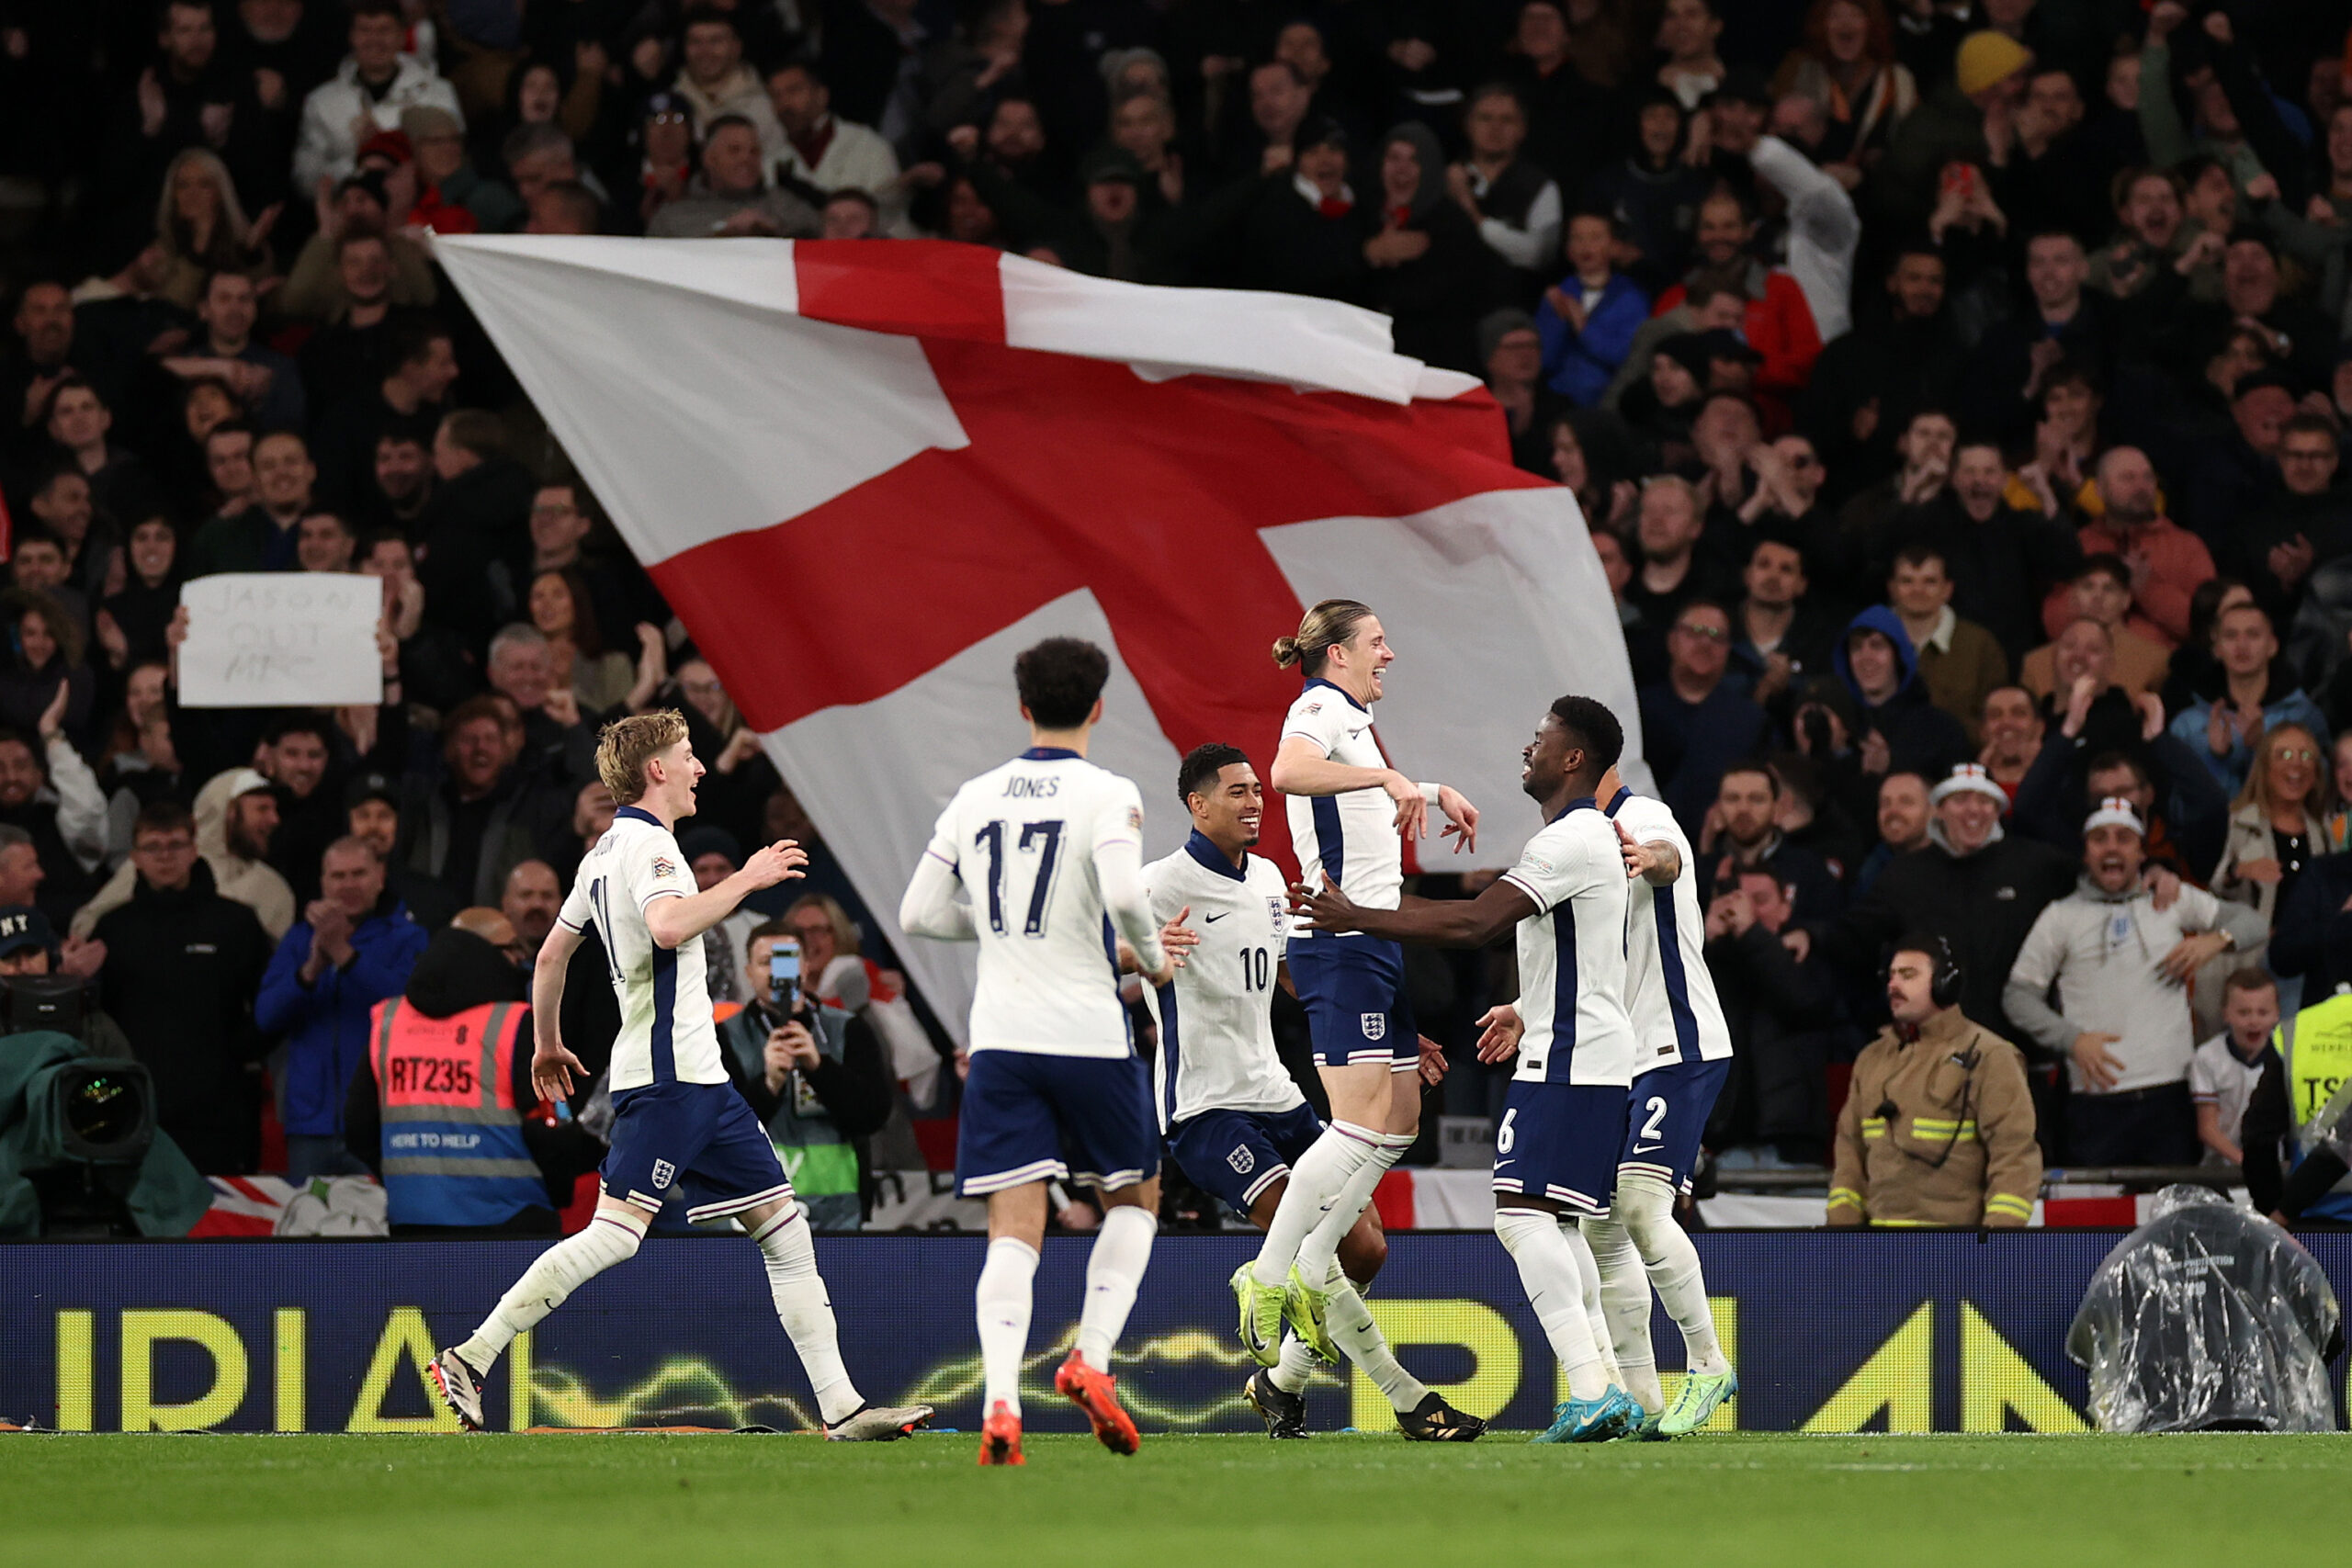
1830, 1331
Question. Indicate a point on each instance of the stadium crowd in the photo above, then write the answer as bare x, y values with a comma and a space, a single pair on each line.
1957, 394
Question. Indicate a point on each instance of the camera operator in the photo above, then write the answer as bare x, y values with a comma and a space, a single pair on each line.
28, 947
815, 1074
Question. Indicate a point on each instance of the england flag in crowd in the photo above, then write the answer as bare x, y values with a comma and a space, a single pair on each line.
865, 475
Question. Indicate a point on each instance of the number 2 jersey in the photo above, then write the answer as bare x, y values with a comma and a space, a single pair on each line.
1216, 1033
1023, 840
666, 1031
1667, 988
1572, 954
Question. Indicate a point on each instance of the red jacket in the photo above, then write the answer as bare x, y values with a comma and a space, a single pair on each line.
2176, 562
1779, 327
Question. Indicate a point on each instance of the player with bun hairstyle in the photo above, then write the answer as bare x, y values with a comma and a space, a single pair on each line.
1349, 815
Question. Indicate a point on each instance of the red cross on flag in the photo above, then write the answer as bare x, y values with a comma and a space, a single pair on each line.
866, 474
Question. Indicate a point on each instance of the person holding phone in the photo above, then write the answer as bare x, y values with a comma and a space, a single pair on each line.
815, 1076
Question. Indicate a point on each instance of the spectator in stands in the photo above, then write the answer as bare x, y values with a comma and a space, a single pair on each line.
600, 682
2313, 940
1654, 191
1781, 636
2065, 325
43, 662
480, 514
715, 85
421, 365
376, 83
51, 796
453, 196
353, 947
2166, 561
1960, 662
2306, 522
80, 424
1845, 65
1671, 573
2225, 1069
484, 819
531, 900
261, 538
1588, 319
557, 744
2150, 237
825, 152
2118, 967
2012, 728
228, 304
1695, 723
732, 195
236, 818
1867, 385
1971, 884
1742, 833
1823, 228
820, 1090
1895, 724
20, 871
182, 965
1902, 825
1938, 1127
2277, 824
1783, 1014
1924, 451
2258, 694
2100, 592
1515, 203
1778, 322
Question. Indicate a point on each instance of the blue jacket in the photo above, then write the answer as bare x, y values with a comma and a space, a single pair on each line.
325, 1025
2293, 707
1580, 364
1921, 737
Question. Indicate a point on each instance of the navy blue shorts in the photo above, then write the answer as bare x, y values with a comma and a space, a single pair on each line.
1353, 990
1236, 1154
692, 1143
1021, 1109
1560, 1141
1666, 1119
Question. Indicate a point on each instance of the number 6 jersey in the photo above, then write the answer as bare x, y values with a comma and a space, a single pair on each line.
1028, 842
1216, 1033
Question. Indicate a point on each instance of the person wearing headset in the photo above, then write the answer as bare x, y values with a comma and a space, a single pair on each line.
1938, 1126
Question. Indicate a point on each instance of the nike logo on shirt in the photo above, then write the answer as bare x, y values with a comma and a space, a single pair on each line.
1212, 919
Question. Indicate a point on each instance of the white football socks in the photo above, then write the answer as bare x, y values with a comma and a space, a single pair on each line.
1319, 1253
1625, 1307
806, 1311
552, 1276
1113, 1269
1647, 1206
1588, 1279
1296, 1366
1002, 1302
1549, 1272
1316, 1181
1360, 1341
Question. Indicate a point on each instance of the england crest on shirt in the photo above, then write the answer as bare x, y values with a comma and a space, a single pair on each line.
1375, 1025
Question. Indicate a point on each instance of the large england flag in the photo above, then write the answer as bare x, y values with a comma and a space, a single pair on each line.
866, 474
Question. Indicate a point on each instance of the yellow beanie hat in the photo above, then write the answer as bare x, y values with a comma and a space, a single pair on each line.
1988, 58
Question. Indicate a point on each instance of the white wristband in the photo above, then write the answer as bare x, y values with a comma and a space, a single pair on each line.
1429, 793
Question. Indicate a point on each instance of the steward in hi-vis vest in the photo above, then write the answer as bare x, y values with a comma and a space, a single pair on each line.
2302, 1108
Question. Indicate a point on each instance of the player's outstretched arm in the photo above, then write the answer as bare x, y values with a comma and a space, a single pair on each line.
551, 1065
931, 908
1301, 767
676, 921
1118, 872
1460, 922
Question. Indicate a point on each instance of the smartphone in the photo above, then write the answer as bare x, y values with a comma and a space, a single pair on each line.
784, 970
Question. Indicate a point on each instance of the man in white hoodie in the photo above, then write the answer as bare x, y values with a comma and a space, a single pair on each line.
2117, 969
367, 93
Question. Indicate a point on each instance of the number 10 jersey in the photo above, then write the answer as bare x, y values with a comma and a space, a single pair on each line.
1216, 1033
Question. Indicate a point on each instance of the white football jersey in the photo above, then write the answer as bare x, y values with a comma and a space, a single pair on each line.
666, 1031
1021, 838
1349, 838
1572, 954
1216, 1032
1672, 997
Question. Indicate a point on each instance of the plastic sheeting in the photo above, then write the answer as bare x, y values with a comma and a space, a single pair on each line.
2208, 1317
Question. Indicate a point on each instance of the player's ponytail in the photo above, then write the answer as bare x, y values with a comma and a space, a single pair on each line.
1324, 627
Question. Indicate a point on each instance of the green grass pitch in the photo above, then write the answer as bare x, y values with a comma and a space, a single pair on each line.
682, 1501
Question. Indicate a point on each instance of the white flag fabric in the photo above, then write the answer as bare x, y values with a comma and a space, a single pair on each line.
866, 474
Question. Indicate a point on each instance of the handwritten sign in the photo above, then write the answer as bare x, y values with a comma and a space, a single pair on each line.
281, 639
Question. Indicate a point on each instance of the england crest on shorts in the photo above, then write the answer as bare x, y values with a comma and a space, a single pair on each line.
1242, 1161
662, 1171
1375, 1025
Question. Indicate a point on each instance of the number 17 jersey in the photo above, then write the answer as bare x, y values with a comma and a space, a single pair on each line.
1021, 838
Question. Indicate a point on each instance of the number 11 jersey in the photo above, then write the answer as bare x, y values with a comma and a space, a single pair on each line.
1022, 839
